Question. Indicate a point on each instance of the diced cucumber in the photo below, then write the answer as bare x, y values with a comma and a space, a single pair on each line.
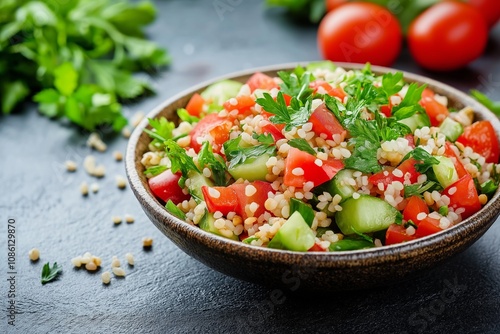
365, 214
252, 169
294, 235
451, 129
221, 91
445, 171
339, 184
350, 244
325, 64
196, 182
416, 121
207, 224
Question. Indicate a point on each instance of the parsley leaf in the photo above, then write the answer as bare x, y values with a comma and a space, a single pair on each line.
363, 236
295, 115
278, 108
50, 273
186, 117
392, 83
179, 158
162, 130
302, 145
487, 102
294, 86
426, 160
173, 209
410, 104
238, 155
155, 170
419, 189
264, 138
206, 158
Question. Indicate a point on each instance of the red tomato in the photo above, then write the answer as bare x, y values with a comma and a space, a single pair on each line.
243, 104
312, 172
165, 186
205, 126
465, 196
435, 110
447, 36
260, 197
195, 105
324, 121
396, 234
225, 203
459, 167
386, 110
316, 248
336, 92
407, 167
482, 138
271, 128
360, 33
490, 9
427, 227
261, 81
334, 4
415, 206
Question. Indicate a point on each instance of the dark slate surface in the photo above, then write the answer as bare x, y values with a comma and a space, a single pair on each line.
166, 291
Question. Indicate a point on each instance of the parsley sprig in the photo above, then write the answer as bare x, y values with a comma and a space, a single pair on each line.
206, 158
77, 58
295, 115
50, 273
236, 154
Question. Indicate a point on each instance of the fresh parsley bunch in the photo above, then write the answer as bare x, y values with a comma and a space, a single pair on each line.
77, 57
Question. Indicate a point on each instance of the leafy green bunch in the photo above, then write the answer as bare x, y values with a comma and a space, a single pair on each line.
77, 57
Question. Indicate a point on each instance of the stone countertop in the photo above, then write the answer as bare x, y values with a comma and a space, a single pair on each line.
167, 291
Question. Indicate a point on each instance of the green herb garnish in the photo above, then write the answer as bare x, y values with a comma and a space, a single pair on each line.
173, 209
238, 155
302, 145
50, 273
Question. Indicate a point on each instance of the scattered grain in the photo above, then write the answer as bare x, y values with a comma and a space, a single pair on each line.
34, 254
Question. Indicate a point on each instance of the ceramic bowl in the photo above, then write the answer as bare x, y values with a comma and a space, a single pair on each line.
325, 271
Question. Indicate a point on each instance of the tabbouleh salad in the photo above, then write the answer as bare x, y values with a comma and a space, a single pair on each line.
322, 159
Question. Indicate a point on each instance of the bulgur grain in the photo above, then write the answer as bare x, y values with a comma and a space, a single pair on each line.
130, 258
147, 242
116, 220
84, 188
121, 182
71, 166
106, 277
129, 219
118, 271
34, 254
91, 266
118, 155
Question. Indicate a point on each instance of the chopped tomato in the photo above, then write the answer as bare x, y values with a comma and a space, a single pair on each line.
243, 104
427, 227
386, 110
482, 138
195, 105
336, 92
396, 234
165, 186
463, 194
316, 248
411, 140
435, 110
244, 201
301, 167
324, 121
387, 177
225, 202
261, 81
415, 206
459, 167
273, 129
211, 124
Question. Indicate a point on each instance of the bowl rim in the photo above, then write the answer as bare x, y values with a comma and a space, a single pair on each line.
375, 255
